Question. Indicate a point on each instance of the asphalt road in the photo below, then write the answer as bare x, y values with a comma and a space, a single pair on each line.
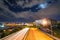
28, 34
35, 34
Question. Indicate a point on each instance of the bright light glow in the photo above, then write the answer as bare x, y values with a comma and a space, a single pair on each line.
44, 22
43, 5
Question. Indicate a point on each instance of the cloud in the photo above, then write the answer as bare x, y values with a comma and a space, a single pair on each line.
28, 3
50, 12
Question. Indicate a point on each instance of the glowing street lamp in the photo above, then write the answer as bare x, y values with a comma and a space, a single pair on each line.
46, 22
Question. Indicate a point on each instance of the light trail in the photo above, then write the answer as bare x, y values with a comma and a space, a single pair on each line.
29, 34
35, 34
20, 34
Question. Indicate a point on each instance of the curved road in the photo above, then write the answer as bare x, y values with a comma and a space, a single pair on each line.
28, 34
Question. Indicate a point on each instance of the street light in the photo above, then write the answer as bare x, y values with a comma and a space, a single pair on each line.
44, 22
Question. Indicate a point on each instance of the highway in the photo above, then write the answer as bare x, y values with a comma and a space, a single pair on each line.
28, 34
35, 34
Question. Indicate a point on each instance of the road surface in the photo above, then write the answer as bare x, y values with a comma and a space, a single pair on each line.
29, 34
35, 34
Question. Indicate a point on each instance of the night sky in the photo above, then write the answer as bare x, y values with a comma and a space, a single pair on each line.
28, 10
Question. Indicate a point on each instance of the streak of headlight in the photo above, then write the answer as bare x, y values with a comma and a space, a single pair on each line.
22, 34
18, 34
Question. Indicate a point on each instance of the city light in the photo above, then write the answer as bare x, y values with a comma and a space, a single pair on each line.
45, 22
2, 25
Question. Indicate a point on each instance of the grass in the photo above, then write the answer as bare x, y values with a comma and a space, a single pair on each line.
57, 32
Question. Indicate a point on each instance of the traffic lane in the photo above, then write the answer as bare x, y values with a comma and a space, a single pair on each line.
35, 34
20, 33
29, 35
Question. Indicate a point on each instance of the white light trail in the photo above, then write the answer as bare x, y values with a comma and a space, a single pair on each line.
19, 35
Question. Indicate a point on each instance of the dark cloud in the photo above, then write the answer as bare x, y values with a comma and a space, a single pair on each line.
13, 5
28, 9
